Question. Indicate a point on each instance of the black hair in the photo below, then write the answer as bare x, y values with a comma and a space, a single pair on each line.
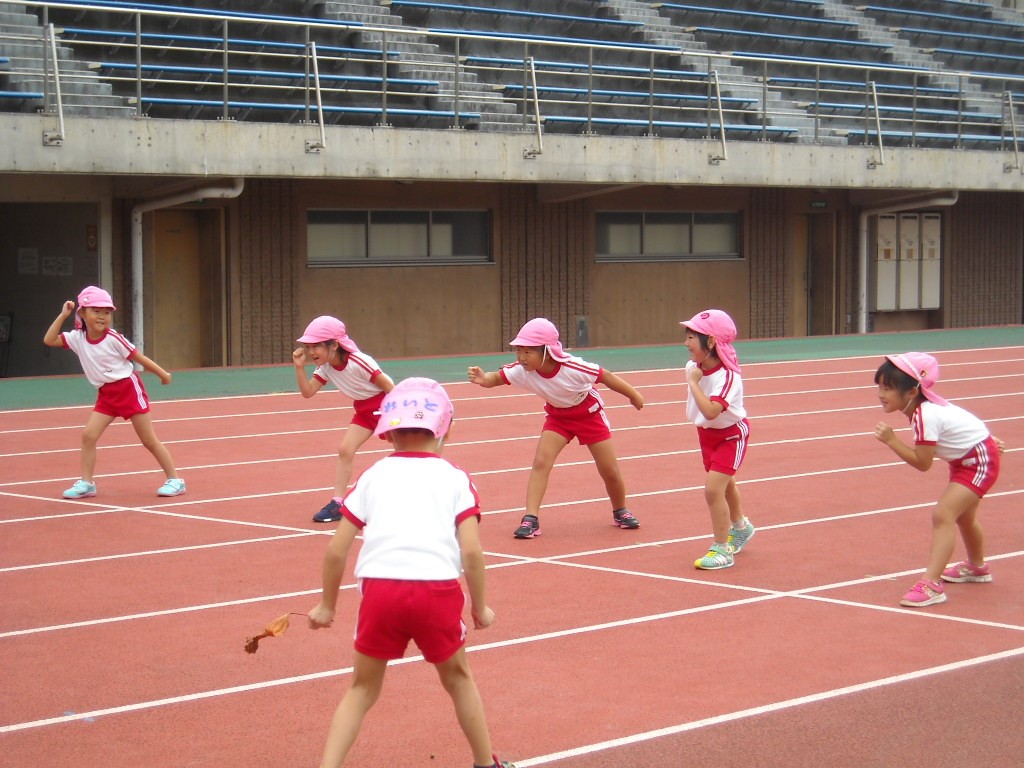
891, 377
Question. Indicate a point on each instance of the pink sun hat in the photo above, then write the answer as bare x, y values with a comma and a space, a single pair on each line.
540, 332
416, 403
716, 323
327, 328
922, 368
91, 296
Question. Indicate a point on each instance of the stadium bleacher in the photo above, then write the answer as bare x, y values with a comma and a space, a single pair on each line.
579, 64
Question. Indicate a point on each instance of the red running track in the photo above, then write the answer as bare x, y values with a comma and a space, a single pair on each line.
124, 616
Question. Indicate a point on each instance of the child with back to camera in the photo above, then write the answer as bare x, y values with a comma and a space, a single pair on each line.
107, 359
715, 406
948, 432
358, 376
573, 408
419, 516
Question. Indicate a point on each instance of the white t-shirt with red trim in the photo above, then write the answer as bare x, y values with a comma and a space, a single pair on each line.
354, 378
721, 385
566, 386
952, 430
408, 506
104, 360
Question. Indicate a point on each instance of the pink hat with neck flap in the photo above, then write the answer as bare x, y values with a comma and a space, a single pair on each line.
416, 403
540, 332
716, 323
327, 328
922, 368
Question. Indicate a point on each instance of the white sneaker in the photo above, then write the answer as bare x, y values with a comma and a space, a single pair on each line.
174, 486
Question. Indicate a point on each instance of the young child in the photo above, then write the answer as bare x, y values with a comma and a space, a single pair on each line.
573, 408
419, 516
358, 376
945, 431
715, 406
107, 359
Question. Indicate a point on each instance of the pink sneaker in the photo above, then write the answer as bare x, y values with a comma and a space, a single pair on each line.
924, 593
966, 571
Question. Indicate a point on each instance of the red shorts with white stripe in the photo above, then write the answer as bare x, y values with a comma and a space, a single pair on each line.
395, 611
586, 421
124, 398
367, 412
978, 469
723, 449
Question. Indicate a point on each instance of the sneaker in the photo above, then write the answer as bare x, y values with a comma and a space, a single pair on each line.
738, 537
174, 486
924, 593
528, 527
498, 764
966, 571
80, 490
718, 557
331, 513
624, 518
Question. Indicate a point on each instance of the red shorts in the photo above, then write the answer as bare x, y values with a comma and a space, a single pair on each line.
367, 412
723, 449
394, 611
124, 398
978, 469
586, 421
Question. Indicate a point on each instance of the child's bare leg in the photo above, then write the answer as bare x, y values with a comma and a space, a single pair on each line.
147, 435
94, 429
469, 708
548, 448
715, 488
956, 501
732, 498
971, 533
367, 679
355, 436
608, 467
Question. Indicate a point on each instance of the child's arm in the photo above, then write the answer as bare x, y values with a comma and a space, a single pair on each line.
920, 457
618, 384
486, 379
383, 381
709, 410
152, 367
333, 570
52, 336
473, 567
309, 387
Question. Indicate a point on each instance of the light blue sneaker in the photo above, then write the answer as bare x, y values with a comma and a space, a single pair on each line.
718, 557
174, 486
738, 537
80, 490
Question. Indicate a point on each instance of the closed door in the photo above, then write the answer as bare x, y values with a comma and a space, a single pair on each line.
177, 308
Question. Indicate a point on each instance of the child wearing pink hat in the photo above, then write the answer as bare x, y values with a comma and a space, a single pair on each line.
948, 432
339, 361
108, 359
419, 517
715, 406
573, 408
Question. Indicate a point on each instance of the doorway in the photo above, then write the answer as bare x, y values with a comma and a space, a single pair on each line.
821, 274
187, 293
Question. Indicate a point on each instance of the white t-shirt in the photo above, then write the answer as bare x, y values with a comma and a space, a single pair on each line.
104, 361
721, 386
408, 506
952, 430
354, 378
568, 385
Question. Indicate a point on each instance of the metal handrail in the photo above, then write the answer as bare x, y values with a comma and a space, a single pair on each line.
539, 149
51, 138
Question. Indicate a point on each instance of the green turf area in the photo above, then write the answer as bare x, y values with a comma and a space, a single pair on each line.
55, 391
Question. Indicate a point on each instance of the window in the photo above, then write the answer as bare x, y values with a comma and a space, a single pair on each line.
367, 238
667, 236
